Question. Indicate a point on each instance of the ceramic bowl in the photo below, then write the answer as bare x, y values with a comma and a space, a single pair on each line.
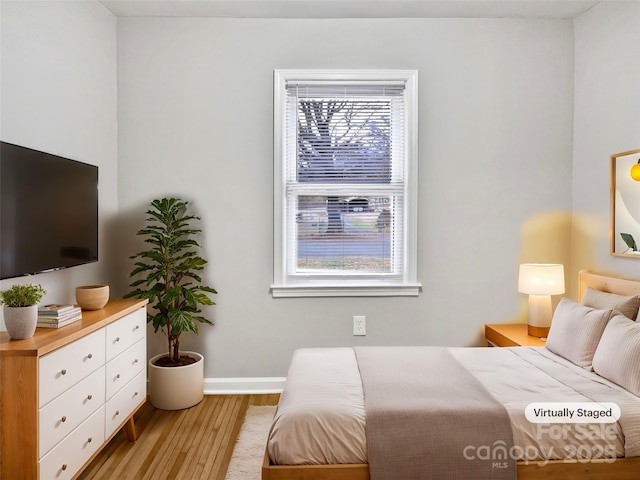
92, 297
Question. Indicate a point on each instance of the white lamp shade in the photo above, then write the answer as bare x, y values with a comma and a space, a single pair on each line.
541, 279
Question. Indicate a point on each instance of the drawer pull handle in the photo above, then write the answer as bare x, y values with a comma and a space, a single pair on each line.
135, 394
118, 375
117, 412
89, 440
135, 361
90, 356
137, 327
117, 339
89, 397
63, 371
64, 467
63, 419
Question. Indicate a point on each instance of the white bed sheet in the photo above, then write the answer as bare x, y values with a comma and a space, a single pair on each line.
495, 368
321, 415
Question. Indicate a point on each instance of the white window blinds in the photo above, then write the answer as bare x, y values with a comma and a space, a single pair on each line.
346, 133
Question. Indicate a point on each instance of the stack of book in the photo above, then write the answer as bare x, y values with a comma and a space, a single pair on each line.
55, 315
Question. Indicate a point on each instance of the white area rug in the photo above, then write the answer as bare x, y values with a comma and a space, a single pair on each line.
248, 453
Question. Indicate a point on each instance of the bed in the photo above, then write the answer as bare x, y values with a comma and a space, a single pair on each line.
308, 450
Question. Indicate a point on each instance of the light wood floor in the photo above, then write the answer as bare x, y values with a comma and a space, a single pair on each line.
191, 444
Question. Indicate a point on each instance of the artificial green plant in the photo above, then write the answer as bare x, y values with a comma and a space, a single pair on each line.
168, 274
22, 295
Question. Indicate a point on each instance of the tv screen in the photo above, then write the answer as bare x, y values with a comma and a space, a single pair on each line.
48, 212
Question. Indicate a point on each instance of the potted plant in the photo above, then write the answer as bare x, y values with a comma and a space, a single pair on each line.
21, 309
168, 276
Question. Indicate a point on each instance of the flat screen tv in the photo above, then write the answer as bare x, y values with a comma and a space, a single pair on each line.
48, 212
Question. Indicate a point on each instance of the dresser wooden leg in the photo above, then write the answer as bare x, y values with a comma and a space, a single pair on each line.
130, 430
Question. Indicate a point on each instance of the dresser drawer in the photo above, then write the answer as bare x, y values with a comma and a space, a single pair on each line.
123, 403
64, 461
66, 412
63, 368
125, 366
125, 332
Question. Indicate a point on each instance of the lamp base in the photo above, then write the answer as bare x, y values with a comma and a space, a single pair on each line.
542, 332
539, 320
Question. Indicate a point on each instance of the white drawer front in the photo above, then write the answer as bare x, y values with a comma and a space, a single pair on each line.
125, 332
66, 366
70, 455
125, 366
66, 412
125, 402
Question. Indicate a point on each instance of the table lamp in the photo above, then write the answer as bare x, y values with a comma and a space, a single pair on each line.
540, 281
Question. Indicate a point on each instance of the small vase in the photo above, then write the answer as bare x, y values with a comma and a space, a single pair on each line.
21, 321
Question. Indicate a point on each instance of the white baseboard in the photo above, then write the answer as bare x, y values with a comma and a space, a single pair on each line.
242, 385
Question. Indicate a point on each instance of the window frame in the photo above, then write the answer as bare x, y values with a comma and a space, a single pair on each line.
335, 285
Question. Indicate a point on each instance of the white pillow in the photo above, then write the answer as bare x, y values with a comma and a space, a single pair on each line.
617, 357
626, 305
576, 330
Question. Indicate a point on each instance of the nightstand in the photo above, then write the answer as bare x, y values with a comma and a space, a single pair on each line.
510, 335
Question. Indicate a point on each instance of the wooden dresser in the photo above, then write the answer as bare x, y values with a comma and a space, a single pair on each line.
64, 393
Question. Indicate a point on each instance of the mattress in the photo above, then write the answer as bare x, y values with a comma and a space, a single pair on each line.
321, 415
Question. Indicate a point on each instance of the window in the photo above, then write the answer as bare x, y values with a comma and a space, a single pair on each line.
345, 176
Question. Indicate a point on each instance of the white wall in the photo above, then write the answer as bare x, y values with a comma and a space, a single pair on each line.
496, 103
607, 121
59, 94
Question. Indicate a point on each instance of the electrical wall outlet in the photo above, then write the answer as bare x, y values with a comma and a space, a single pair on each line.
359, 325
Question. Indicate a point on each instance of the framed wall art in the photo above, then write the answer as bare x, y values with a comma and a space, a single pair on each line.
625, 204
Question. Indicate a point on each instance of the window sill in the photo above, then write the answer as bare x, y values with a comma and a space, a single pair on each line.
391, 290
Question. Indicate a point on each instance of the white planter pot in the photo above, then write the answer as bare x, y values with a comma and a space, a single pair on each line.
21, 321
175, 388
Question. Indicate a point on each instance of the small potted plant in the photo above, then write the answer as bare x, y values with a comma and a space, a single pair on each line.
168, 276
21, 309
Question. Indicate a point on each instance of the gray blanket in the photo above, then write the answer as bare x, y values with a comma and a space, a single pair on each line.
427, 417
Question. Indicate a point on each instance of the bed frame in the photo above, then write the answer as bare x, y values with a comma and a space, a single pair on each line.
621, 469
